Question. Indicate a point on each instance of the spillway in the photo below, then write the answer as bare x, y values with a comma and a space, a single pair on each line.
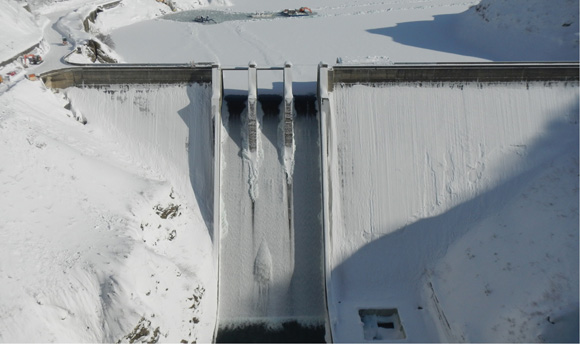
271, 285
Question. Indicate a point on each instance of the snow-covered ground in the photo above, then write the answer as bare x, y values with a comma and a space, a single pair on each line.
20, 30
95, 243
103, 242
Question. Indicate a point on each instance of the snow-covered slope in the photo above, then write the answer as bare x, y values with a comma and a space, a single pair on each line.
153, 7
523, 30
95, 245
19, 31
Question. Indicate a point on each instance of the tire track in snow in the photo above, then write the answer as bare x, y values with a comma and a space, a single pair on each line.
266, 51
203, 40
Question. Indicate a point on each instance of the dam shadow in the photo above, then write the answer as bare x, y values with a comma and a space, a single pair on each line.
200, 148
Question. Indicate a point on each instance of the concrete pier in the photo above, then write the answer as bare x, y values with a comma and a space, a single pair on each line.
252, 106
288, 106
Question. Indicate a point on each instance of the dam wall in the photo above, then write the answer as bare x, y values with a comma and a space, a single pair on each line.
115, 74
414, 158
166, 122
271, 284
452, 72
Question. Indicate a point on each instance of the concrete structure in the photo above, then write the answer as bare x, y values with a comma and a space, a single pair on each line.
270, 286
93, 15
368, 275
127, 75
453, 72
328, 78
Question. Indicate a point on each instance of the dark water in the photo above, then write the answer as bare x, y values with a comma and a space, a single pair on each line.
290, 332
218, 16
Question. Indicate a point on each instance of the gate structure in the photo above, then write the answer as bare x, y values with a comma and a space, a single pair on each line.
270, 244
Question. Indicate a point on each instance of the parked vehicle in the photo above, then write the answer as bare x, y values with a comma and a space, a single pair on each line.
205, 20
32, 59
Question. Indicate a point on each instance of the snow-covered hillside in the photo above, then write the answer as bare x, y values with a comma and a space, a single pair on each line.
531, 30
95, 244
100, 241
20, 29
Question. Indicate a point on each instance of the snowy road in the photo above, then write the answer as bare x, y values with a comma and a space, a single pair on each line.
54, 58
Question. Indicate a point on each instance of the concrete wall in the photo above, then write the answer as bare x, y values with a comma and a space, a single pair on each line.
123, 74
164, 117
168, 128
463, 72
93, 15
404, 149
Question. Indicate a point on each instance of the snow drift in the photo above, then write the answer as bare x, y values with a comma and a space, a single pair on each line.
523, 30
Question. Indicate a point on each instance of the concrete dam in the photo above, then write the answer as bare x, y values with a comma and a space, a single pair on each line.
329, 210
